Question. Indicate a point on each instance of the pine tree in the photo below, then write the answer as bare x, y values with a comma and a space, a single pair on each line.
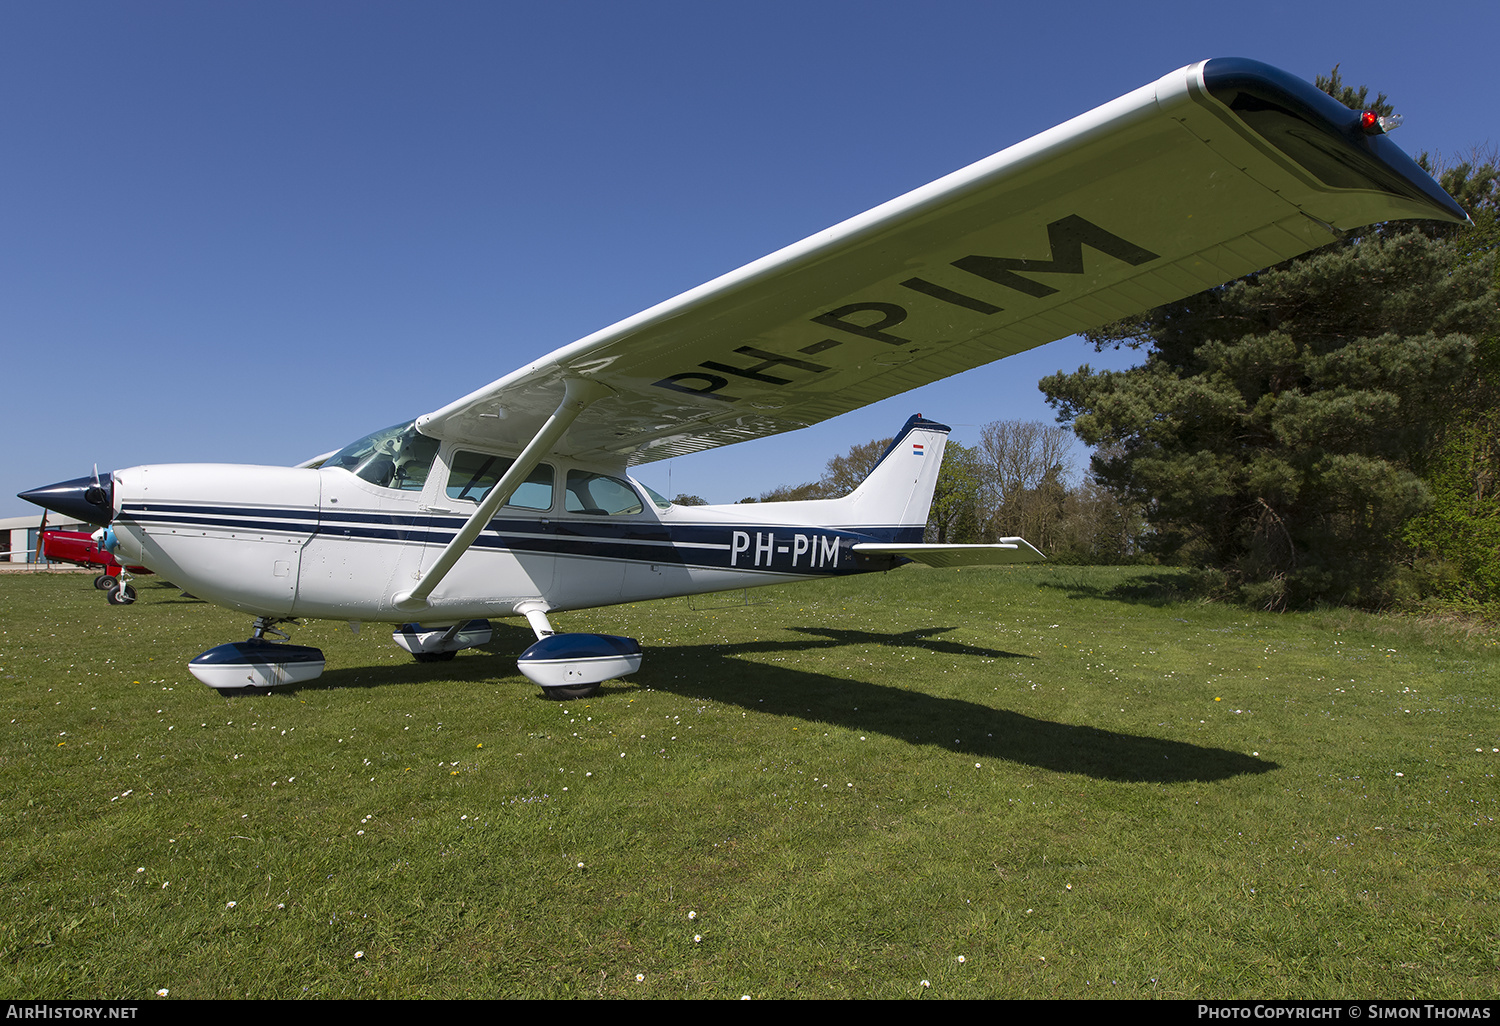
1281, 426
1457, 541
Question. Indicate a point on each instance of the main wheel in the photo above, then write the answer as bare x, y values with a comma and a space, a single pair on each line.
121, 596
569, 692
104, 582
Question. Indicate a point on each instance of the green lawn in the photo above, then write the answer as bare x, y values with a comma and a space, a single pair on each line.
1021, 782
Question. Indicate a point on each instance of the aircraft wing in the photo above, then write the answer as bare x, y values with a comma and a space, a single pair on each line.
1211, 172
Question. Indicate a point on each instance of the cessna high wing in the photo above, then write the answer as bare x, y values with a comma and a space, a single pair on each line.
515, 500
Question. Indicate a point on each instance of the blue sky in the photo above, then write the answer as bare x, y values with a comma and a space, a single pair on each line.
251, 232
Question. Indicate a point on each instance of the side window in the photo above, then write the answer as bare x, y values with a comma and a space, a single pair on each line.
599, 495
473, 474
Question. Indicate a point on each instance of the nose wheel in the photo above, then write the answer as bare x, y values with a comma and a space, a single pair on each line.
437, 644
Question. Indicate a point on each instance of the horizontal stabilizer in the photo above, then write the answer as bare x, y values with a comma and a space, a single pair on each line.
1009, 550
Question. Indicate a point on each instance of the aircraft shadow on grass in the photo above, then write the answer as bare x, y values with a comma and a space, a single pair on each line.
718, 673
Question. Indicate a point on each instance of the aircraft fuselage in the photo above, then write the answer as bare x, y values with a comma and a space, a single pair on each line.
324, 543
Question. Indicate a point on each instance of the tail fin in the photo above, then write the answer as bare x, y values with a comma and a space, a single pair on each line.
892, 504
898, 491
898, 494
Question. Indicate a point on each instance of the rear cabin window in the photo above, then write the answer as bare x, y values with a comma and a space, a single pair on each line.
599, 495
473, 474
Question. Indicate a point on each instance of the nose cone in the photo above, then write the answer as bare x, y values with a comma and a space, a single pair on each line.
83, 498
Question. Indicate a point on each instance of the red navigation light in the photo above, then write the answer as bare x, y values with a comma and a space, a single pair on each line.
1373, 124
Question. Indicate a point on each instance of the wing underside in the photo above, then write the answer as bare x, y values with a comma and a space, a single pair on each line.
1209, 173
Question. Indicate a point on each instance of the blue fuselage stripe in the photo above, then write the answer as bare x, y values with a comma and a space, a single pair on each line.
773, 547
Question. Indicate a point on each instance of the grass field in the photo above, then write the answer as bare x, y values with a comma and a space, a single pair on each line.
1021, 782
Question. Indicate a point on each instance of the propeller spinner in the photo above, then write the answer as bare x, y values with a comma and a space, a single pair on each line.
83, 498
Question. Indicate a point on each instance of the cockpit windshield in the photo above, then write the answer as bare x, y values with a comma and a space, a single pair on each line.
395, 457
662, 503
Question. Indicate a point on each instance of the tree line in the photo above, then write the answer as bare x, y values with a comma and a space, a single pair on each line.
1018, 479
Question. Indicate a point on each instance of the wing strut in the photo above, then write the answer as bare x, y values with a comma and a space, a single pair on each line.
579, 393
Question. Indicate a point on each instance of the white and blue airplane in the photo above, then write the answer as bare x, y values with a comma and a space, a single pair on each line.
515, 500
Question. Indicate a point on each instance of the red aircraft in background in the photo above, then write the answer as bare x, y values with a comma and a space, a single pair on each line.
80, 548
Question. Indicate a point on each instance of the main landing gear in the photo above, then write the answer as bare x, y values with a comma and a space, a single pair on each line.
569, 666
258, 662
565, 665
